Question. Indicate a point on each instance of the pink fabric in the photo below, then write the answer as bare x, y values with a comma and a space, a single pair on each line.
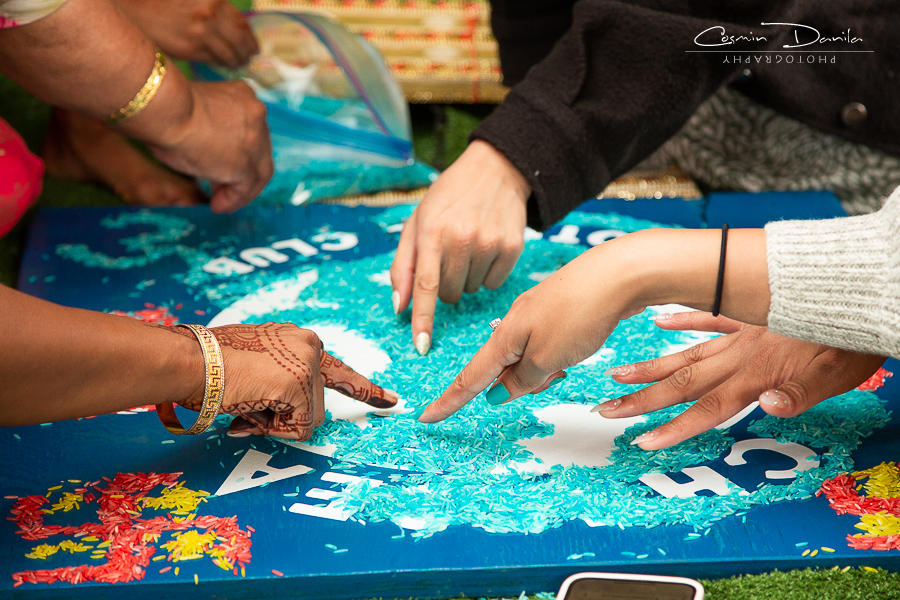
20, 177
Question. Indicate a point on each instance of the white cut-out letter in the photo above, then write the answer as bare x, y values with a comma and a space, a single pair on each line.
567, 235
297, 245
804, 456
531, 235
227, 266
241, 478
704, 478
262, 257
334, 510
596, 238
336, 241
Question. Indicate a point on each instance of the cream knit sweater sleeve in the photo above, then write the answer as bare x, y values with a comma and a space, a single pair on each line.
837, 282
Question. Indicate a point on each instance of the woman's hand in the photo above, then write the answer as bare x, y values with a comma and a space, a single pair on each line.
211, 31
224, 139
549, 328
275, 375
568, 316
727, 374
214, 131
468, 231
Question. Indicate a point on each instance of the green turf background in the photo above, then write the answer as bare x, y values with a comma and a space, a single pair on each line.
440, 133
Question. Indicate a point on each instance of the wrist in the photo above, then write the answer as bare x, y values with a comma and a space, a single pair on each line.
663, 266
165, 121
485, 155
186, 368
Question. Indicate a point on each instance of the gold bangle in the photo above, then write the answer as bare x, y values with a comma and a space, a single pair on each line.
213, 391
144, 95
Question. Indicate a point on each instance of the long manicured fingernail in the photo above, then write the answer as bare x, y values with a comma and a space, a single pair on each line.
620, 371
238, 434
773, 398
423, 343
607, 406
645, 437
662, 317
497, 395
395, 300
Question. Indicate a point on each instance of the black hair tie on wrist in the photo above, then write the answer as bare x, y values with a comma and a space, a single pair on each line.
720, 278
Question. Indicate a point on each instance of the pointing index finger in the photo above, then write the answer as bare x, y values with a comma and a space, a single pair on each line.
342, 378
486, 366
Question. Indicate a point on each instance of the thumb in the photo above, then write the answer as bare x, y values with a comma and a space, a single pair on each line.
831, 373
523, 377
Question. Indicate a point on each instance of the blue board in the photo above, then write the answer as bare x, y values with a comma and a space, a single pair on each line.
377, 504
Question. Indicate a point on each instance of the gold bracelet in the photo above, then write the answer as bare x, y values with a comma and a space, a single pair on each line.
144, 95
213, 391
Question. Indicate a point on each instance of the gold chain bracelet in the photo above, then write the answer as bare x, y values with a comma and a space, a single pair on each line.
213, 391
144, 95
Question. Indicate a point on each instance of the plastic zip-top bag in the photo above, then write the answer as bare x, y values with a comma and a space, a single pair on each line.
339, 123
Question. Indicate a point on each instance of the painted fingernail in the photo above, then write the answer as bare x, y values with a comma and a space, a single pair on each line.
423, 343
497, 395
607, 406
620, 371
645, 437
662, 317
773, 398
395, 300
238, 434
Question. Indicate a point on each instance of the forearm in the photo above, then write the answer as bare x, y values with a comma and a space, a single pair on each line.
663, 266
61, 363
88, 57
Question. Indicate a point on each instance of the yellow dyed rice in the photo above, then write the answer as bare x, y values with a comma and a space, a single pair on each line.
879, 524
883, 481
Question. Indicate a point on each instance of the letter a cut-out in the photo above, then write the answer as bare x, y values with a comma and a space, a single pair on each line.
241, 478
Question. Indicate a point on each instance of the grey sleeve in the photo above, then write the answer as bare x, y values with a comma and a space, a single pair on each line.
837, 282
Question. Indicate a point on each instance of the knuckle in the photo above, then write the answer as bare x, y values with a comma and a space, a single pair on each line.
464, 384
710, 409
683, 379
450, 295
649, 368
522, 304
464, 235
694, 354
513, 247
427, 283
310, 338
257, 109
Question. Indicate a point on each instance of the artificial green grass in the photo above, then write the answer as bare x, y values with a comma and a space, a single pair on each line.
808, 584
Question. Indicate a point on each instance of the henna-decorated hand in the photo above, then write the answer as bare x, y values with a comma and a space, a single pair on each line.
275, 375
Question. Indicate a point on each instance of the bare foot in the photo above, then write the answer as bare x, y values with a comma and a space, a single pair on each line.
80, 148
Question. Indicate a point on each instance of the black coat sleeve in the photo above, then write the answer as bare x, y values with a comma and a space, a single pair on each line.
620, 81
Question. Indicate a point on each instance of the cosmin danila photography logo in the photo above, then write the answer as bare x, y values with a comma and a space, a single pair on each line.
804, 44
